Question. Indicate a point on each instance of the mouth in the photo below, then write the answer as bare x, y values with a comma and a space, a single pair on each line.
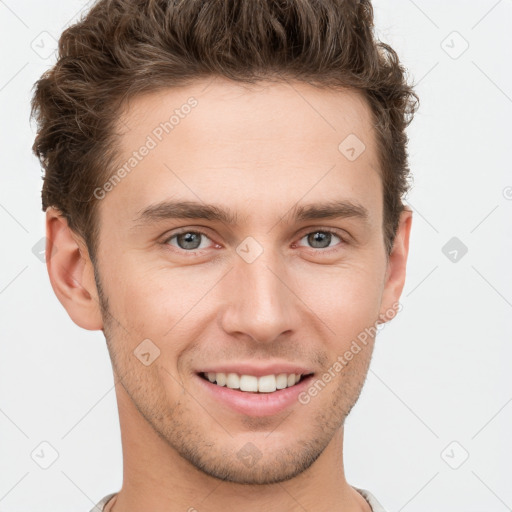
253, 384
254, 396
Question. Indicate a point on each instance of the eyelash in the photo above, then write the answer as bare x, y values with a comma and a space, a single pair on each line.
319, 230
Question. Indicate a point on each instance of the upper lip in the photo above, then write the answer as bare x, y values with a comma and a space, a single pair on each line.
249, 368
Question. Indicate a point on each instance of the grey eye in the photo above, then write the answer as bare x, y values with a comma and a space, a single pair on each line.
320, 239
189, 240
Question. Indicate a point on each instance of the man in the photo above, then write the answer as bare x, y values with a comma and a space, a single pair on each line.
223, 196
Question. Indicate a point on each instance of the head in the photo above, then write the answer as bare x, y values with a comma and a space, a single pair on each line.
225, 180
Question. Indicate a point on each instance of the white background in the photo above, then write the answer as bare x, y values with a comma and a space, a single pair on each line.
441, 371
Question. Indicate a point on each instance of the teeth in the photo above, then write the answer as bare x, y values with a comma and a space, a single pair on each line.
265, 384
281, 381
232, 381
248, 383
221, 379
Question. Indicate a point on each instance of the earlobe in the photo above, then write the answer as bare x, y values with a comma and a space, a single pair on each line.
71, 272
396, 268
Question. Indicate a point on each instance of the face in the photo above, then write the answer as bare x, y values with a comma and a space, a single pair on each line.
244, 240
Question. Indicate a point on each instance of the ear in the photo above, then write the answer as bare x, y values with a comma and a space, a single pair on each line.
71, 272
395, 272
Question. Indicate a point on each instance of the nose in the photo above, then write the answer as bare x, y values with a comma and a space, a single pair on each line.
261, 304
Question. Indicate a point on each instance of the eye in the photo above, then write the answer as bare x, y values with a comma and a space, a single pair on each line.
321, 239
192, 240
188, 240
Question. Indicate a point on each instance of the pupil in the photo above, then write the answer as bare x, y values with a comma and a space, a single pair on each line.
190, 240
320, 236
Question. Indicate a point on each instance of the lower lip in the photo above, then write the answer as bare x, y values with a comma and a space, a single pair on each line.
256, 404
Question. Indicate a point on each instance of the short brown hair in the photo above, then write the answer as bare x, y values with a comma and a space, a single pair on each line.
124, 47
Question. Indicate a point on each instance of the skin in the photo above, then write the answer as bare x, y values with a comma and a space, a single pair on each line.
261, 151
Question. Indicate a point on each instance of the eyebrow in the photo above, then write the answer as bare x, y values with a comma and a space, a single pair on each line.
211, 212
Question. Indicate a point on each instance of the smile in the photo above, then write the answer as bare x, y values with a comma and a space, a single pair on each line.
241, 393
253, 384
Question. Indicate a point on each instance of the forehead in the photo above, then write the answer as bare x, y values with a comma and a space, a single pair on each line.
267, 143
223, 108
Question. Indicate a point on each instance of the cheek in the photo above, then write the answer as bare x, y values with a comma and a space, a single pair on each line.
347, 300
159, 302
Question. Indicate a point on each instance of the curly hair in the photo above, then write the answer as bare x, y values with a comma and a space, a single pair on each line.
122, 48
